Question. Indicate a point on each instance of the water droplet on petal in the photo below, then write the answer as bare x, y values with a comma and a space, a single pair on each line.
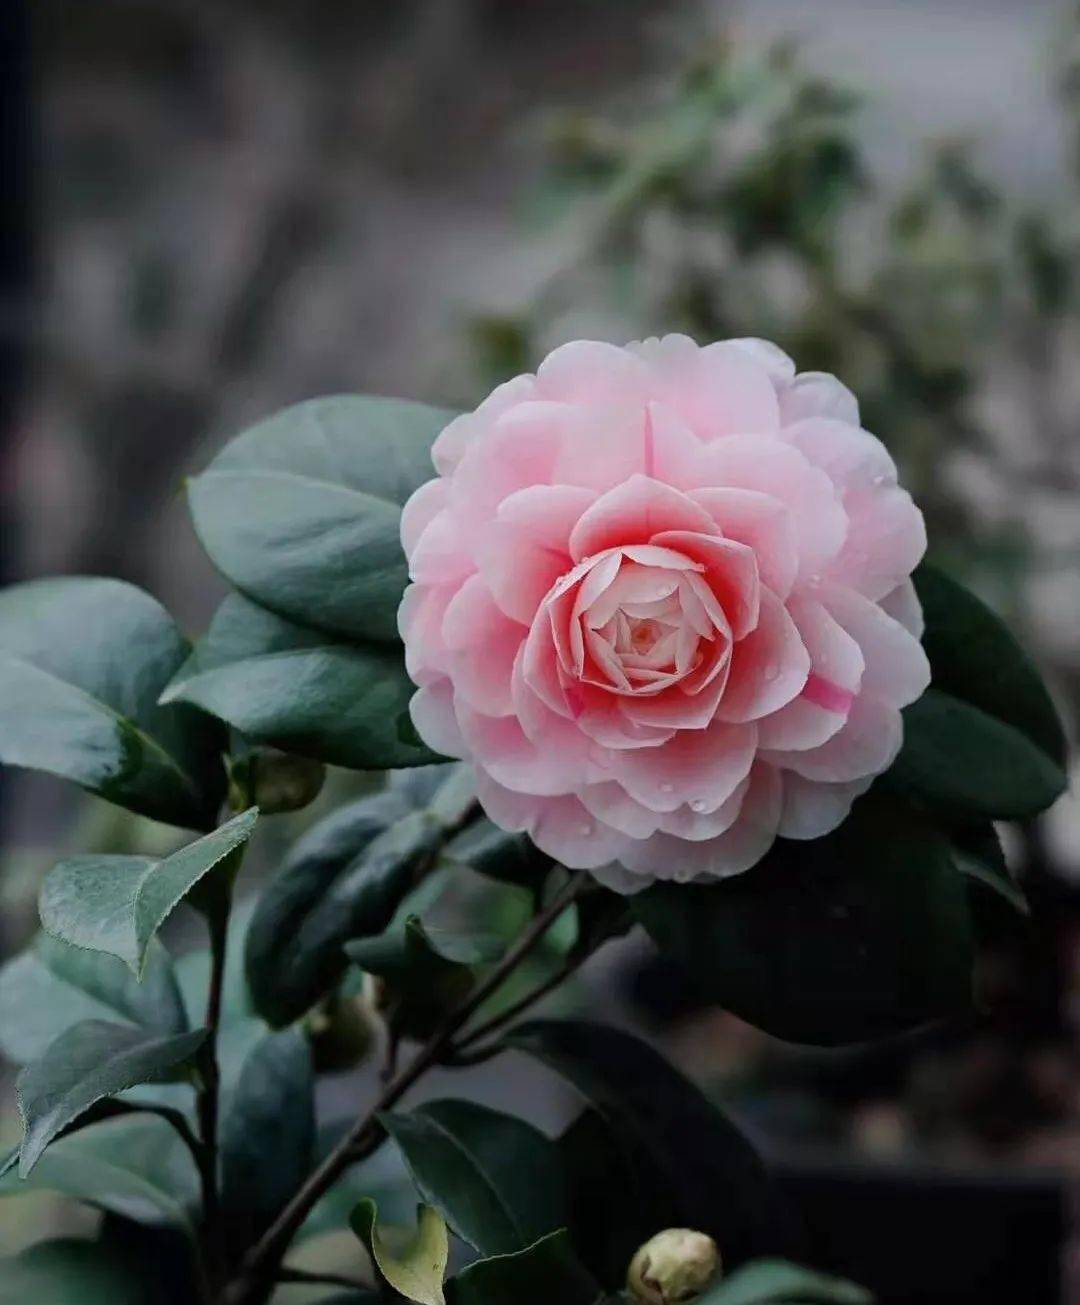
698, 804
815, 579
667, 788
585, 829
772, 671
879, 480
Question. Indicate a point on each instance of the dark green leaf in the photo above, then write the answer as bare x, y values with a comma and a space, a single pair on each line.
302, 512
775, 1282
958, 758
974, 657
977, 852
412, 955
688, 1161
268, 1132
69, 1272
415, 1268
51, 986
300, 690
493, 1177
82, 664
544, 1273
497, 854
116, 904
343, 880
135, 1166
91, 1060
856, 935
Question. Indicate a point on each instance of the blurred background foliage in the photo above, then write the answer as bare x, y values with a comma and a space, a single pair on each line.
248, 202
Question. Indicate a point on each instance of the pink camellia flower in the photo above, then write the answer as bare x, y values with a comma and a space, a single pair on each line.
661, 601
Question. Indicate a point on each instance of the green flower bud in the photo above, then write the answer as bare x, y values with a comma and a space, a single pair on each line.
341, 1031
674, 1266
275, 782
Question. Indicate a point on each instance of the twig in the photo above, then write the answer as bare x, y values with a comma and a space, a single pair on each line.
207, 1102
501, 1018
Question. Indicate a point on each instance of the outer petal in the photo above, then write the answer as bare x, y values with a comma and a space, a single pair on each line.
432, 712
902, 604
811, 809
700, 768
483, 644
768, 668
817, 394
449, 448
421, 507
500, 745
850, 456
896, 666
559, 826
717, 390
886, 540
590, 371
867, 744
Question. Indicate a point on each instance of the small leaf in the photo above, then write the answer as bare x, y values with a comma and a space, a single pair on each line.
51, 986
69, 1272
776, 1282
543, 1274
493, 1177
977, 853
82, 663
300, 690
417, 1268
302, 512
116, 904
687, 1160
816, 943
135, 1166
90, 1061
343, 880
267, 1133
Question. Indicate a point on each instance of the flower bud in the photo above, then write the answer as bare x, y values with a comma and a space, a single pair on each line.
341, 1032
674, 1266
276, 782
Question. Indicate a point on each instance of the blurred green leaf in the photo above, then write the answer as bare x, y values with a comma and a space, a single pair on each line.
82, 664
544, 1273
89, 1061
51, 986
300, 690
416, 1268
977, 852
493, 1177
69, 1272
116, 904
814, 944
776, 1282
302, 512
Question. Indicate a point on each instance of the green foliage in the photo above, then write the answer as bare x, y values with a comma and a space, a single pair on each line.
417, 1267
116, 904
69, 1272
775, 1282
545, 1272
302, 512
494, 1178
90, 1061
814, 944
299, 689
82, 664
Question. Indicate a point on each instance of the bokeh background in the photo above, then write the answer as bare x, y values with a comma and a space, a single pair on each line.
217, 207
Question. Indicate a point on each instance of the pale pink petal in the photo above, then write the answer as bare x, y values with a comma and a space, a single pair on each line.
440, 555
851, 457
885, 542
718, 390
602, 446
432, 712
518, 572
590, 372
677, 709
419, 510
521, 449
867, 744
768, 668
697, 826
619, 879
449, 447
420, 618
610, 802
896, 666
633, 513
500, 745
674, 449
762, 523
483, 644
546, 514
731, 573
695, 767
601, 717
775, 361
817, 394
772, 467
902, 604
540, 667
811, 809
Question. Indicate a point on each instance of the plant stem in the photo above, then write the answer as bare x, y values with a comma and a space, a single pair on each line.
501, 1018
260, 1265
207, 1099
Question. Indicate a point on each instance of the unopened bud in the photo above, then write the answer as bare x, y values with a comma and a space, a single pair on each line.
341, 1032
276, 782
674, 1266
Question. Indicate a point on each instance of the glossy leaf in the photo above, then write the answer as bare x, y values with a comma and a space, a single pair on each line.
343, 880
776, 1282
300, 690
416, 1268
687, 1159
957, 758
974, 657
135, 1166
543, 1274
116, 904
51, 986
857, 935
268, 1132
69, 1272
91, 1060
493, 1177
82, 664
302, 512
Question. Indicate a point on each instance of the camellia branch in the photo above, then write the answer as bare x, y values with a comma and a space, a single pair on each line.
501, 1018
260, 1265
208, 1098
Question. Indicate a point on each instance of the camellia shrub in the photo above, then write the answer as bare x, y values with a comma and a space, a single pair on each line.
648, 634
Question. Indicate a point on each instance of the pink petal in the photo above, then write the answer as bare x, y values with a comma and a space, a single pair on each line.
432, 712
762, 523
449, 448
768, 668
674, 449
520, 450
696, 767
885, 542
611, 803
499, 744
419, 510
559, 826
850, 456
590, 371
717, 390
902, 604
546, 514
633, 513
440, 554
775, 361
896, 666
420, 618
866, 745
676, 709
697, 826
811, 809
601, 717
601, 446
518, 572
817, 394
730, 571
483, 644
